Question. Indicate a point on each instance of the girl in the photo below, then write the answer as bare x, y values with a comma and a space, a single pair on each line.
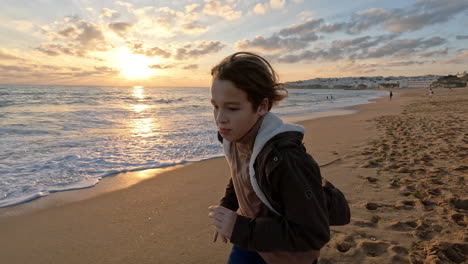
274, 209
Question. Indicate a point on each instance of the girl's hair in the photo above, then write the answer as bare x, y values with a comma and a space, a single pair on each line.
253, 75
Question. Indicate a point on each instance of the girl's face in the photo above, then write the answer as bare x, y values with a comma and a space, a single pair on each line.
232, 110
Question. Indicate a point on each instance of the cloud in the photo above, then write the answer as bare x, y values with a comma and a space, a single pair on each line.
193, 27
151, 52
8, 68
216, 8
308, 55
421, 14
109, 13
435, 53
193, 8
7, 56
165, 22
190, 67
310, 25
260, 8
90, 33
365, 19
68, 31
75, 37
197, 49
52, 49
459, 37
162, 66
460, 58
405, 47
366, 47
277, 3
425, 13
120, 28
276, 43
403, 63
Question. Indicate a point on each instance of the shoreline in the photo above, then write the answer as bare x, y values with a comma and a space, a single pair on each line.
111, 183
400, 164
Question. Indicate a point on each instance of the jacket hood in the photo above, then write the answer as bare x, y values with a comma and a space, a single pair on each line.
271, 126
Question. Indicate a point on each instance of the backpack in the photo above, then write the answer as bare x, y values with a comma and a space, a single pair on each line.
339, 213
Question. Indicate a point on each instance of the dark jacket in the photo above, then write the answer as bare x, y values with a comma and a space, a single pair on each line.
291, 181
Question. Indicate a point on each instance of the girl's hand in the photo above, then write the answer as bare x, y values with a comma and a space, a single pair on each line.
224, 220
216, 237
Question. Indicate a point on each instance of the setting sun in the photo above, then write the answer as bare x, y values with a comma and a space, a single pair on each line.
134, 66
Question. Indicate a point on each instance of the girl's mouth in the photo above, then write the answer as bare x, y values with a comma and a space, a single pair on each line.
224, 130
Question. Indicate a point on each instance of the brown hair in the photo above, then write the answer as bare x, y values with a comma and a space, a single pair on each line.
253, 75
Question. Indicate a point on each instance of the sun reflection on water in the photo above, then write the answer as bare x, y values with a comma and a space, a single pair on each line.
138, 92
139, 108
144, 127
141, 125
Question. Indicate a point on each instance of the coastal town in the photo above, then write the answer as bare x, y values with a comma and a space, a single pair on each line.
380, 82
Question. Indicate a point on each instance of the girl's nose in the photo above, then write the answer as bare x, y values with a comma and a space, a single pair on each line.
221, 117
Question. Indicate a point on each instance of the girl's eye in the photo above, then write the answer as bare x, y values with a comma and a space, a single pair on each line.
233, 109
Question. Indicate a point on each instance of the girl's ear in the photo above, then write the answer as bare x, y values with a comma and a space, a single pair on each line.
263, 107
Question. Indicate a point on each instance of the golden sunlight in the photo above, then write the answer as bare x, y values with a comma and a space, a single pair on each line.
136, 67
133, 66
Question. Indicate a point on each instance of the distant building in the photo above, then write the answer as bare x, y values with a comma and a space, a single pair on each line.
416, 83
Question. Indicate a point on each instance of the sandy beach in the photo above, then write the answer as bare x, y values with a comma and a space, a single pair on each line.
402, 165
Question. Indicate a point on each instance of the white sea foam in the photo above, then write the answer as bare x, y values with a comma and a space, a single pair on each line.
57, 138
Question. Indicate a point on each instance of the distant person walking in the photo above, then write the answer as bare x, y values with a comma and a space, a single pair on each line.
430, 93
391, 94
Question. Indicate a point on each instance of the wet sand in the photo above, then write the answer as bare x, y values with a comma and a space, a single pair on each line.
401, 163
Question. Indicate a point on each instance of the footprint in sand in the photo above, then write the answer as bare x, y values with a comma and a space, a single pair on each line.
460, 203
460, 219
405, 204
400, 255
373, 248
403, 226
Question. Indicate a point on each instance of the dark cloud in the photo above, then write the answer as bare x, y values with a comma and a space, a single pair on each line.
105, 69
68, 31
198, 49
190, 67
331, 28
193, 27
425, 13
404, 47
459, 37
435, 53
366, 19
421, 14
308, 55
120, 28
161, 66
403, 63
5, 68
275, 42
310, 25
47, 51
58, 49
366, 47
90, 33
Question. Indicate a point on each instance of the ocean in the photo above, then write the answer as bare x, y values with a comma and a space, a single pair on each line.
59, 138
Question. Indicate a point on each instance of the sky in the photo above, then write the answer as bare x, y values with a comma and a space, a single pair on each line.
176, 43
